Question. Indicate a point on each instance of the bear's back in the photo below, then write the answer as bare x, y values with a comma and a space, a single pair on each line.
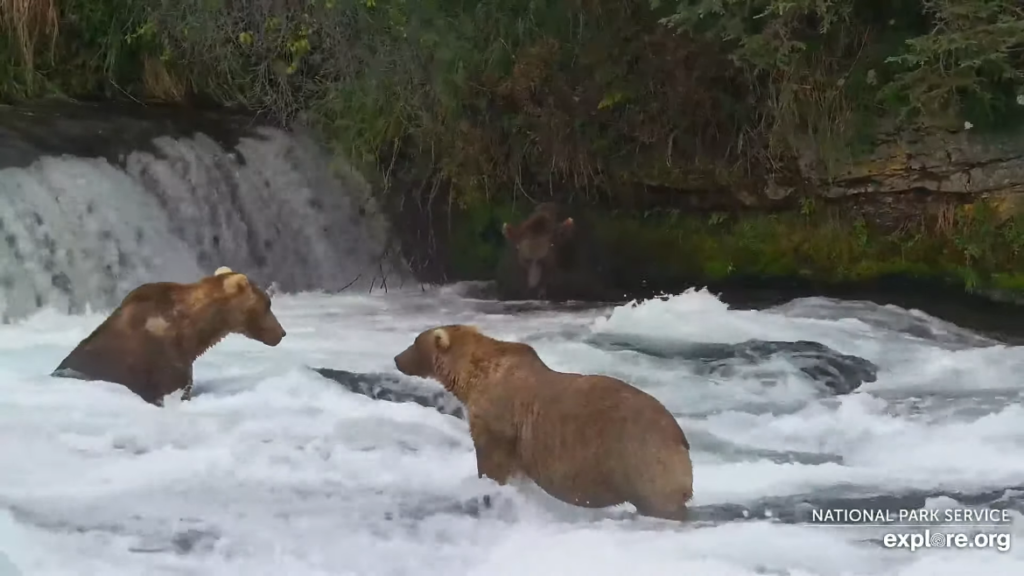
588, 434
594, 403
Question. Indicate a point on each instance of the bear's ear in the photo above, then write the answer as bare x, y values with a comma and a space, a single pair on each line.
223, 270
566, 228
235, 283
509, 231
441, 339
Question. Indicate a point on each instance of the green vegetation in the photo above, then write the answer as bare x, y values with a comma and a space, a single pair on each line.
493, 97
967, 245
491, 102
827, 69
971, 245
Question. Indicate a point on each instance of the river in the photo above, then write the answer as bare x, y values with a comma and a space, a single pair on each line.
273, 469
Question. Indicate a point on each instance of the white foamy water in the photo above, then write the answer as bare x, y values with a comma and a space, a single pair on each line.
79, 232
275, 470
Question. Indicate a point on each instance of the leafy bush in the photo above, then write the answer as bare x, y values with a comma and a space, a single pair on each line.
824, 65
547, 98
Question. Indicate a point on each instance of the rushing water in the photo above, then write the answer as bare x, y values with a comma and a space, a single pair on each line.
276, 469
273, 469
94, 202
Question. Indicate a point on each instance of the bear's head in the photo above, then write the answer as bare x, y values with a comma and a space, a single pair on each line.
248, 311
536, 241
430, 355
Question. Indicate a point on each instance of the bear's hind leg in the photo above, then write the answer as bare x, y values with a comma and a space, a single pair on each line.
669, 504
679, 513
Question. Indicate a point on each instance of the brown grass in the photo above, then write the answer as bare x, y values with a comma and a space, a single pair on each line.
161, 84
945, 220
29, 22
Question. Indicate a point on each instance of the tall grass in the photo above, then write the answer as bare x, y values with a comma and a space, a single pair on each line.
29, 22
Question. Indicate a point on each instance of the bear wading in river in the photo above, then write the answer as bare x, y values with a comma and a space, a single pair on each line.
551, 256
588, 440
149, 343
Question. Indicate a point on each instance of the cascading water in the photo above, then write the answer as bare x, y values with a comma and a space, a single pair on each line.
95, 201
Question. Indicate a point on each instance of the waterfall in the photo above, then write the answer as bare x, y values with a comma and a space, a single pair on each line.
95, 200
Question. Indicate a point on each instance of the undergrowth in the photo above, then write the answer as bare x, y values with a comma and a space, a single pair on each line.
971, 245
493, 101
545, 97
831, 72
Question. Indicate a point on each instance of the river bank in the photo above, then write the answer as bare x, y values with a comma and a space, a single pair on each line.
966, 273
839, 160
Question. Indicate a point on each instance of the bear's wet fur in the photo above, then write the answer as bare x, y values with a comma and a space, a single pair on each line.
588, 440
149, 343
553, 256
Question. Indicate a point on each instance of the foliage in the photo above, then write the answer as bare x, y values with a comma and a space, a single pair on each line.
493, 97
493, 101
831, 67
544, 96
969, 245
26, 23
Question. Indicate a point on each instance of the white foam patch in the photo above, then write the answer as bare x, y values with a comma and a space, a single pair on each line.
275, 470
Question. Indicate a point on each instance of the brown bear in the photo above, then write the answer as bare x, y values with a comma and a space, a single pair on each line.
589, 440
551, 256
536, 241
149, 343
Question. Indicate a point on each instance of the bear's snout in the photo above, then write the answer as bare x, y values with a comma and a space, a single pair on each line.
275, 338
406, 362
533, 275
271, 332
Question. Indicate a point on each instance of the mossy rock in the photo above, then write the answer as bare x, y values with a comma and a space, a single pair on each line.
974, 250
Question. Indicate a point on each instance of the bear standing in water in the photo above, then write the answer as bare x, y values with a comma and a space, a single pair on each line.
592, 441
551, 256
149, 343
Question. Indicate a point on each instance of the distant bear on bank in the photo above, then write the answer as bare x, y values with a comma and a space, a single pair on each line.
551, 256
149, 343
592, 441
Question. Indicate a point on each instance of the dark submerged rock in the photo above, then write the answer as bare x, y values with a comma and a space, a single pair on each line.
393, 388
840, 373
